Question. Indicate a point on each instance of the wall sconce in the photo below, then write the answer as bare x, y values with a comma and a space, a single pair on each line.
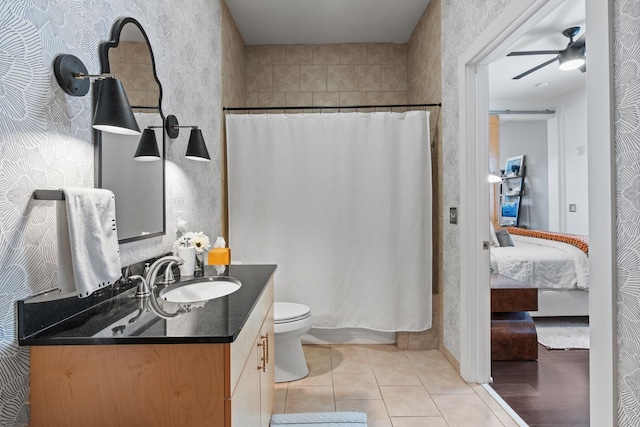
113, 112
196, 149
148, 146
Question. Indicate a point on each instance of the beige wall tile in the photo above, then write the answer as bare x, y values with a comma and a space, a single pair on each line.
394, 77
340, 78
271, 99
400, 53
259, 78
137, 97
326, 99
353, 53
326, 54
366, 77
353, 98
313, 77
400, 97
299, 99
252, 55
299, 54
273, 54
382, 98
252, 99
286, 78
380, 53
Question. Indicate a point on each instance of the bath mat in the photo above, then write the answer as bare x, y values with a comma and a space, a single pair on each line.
563, 334
320, 419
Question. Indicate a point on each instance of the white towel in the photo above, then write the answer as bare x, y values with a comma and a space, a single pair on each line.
93, 236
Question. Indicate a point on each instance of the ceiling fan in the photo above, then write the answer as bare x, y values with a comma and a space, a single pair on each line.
571, 57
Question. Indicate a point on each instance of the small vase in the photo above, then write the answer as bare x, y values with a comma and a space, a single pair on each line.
199, 262
188, 255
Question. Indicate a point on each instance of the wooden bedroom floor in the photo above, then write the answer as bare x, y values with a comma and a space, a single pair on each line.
554, 391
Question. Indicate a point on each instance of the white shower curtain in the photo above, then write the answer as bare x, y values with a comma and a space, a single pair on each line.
341, 202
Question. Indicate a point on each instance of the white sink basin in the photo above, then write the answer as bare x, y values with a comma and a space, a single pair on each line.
201, 289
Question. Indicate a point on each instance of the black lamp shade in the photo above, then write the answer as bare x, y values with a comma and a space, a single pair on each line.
147, 147
197, 149
113, 111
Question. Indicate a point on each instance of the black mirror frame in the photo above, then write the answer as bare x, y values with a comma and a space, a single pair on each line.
97, 135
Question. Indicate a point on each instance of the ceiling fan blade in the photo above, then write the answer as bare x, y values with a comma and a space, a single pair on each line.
544, 64
534, 52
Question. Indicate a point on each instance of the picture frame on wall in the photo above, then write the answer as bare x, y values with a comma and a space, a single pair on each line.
514, 166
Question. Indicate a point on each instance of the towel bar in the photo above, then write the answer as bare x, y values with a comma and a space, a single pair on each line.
48, 195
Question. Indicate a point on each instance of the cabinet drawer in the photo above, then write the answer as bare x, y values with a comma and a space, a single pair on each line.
241, 348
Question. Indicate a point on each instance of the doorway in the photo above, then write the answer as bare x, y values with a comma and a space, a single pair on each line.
475, 353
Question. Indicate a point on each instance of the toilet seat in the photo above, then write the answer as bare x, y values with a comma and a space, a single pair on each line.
287, 312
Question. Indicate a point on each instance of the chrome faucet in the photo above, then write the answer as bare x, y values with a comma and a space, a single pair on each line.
147, 283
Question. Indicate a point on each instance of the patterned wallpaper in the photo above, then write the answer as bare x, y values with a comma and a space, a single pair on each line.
45, 141
627, 101
462, 22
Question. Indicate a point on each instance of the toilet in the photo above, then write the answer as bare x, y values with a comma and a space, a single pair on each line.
291, 321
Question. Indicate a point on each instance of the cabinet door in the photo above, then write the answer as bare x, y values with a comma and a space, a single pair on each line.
245, 402
267, 376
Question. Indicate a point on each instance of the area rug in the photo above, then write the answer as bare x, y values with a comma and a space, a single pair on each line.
563, 334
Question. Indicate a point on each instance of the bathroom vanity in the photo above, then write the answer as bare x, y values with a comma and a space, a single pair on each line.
116, 363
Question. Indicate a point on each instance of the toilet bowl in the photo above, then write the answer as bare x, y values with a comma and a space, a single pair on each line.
291, 321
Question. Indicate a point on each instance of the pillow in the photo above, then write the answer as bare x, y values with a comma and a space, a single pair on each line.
504, 238
493, 239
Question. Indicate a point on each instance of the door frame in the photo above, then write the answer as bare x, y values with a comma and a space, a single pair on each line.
475, 292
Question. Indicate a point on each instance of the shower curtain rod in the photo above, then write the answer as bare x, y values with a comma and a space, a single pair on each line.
338, 107
504, 112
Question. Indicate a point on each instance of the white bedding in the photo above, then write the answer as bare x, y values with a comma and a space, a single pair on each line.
542, 263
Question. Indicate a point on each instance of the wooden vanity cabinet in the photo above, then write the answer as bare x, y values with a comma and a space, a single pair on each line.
159, 384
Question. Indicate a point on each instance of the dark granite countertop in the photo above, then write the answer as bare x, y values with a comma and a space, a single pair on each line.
120, 318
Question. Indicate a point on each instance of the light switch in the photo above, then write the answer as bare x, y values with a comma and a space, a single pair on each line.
453, 215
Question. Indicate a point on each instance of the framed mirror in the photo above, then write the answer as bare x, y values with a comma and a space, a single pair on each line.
138, 186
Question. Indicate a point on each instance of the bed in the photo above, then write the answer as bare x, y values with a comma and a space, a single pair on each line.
555, 263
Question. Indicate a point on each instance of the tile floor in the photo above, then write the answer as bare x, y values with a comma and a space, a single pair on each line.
396, 388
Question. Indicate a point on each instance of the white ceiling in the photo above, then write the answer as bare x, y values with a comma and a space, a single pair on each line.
531, 90
378, 21
326, 21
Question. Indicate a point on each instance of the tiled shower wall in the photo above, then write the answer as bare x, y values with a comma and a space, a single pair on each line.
326, 75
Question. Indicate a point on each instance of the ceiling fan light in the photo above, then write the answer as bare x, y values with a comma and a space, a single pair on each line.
571, 58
